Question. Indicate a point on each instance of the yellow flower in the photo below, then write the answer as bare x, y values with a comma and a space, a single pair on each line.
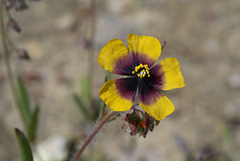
137, 62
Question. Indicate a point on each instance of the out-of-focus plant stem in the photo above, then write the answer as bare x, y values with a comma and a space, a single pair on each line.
6, 55
10, 43
91, 136
104, 112
91, 51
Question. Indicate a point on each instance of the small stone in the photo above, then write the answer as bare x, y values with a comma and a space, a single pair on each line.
65, 21
53, 148
119, 7
234, 81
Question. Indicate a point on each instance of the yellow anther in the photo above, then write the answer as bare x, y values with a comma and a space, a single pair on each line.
141, 70
136, 68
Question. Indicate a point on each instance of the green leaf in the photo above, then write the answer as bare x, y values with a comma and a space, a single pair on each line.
33, 124
26, 152
23, 102
81, 107
85, 87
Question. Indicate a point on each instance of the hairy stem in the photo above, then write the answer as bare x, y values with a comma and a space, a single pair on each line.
6, 55
91, 136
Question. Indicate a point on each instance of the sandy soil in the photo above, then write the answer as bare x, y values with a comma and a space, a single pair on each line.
202, 35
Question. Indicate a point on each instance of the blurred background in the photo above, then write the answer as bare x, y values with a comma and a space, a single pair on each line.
203, 35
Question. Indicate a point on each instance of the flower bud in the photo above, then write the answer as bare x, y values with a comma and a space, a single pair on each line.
14, 25
23, 54
138, 122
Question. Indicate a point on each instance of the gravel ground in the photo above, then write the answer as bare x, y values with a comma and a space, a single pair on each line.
202, 35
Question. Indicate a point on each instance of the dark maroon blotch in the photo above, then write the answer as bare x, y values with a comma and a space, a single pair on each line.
126, 64
126, 87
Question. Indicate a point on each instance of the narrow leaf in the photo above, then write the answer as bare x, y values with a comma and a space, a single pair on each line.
81, 107
26, 152
23, 102
33, 124
85, 87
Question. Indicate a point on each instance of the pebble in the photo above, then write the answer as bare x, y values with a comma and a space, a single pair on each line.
234, 81
52, 149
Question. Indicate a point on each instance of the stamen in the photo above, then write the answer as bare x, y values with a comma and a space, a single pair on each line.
141, 70
136, 68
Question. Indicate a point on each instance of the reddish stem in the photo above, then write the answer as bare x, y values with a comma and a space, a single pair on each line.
91, 136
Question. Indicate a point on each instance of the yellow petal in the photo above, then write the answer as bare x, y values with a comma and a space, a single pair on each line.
110, 95
161, 108
108, 55
144, 45
172, 75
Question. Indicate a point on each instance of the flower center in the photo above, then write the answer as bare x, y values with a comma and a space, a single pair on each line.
141, 71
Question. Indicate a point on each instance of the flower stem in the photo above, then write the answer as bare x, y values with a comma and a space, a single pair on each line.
91, 136
6, 55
